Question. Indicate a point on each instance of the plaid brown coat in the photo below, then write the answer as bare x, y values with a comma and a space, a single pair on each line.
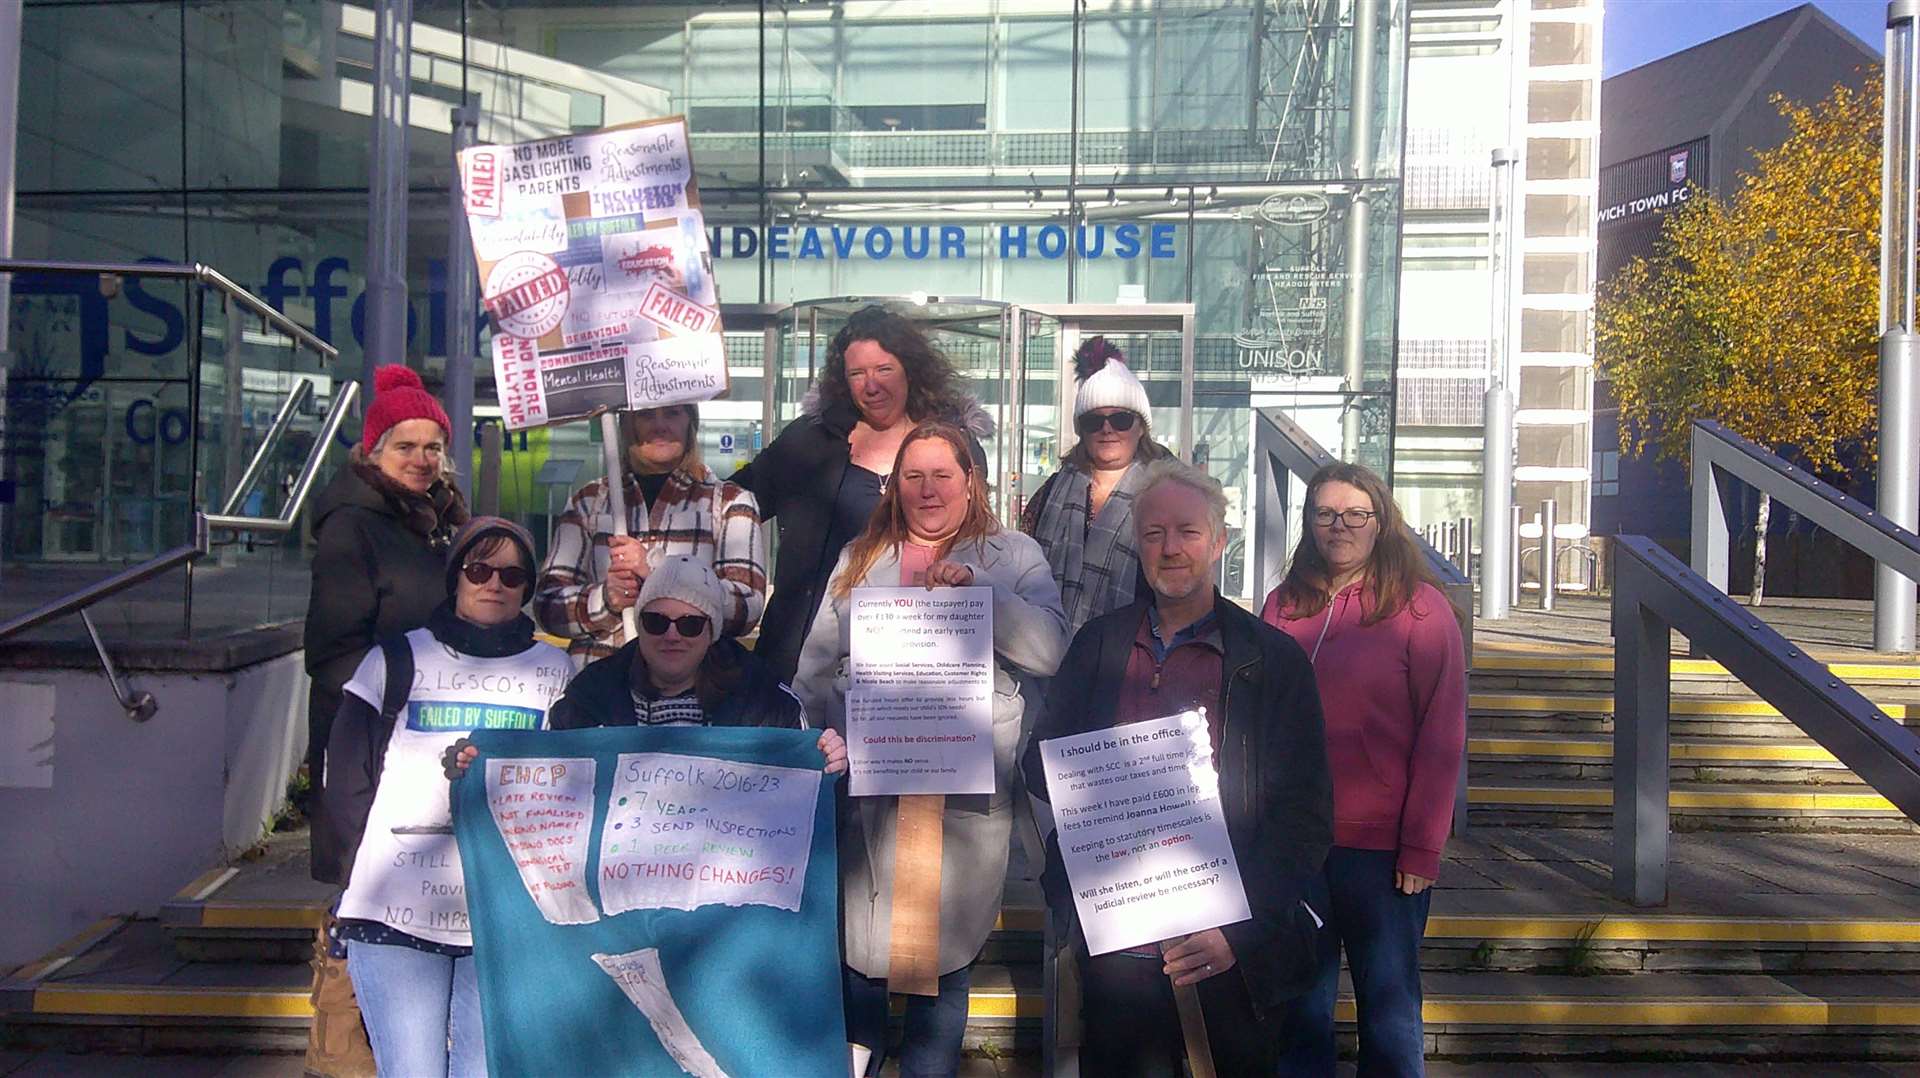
697, 514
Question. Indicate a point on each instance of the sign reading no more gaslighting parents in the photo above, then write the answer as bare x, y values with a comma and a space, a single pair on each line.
595, 270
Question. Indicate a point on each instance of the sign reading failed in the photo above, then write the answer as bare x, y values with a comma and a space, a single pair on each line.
595, 267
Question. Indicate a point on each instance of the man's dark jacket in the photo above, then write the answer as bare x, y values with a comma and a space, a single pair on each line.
600, 695
1275, 788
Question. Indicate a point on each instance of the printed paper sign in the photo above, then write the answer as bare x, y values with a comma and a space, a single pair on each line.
544, 810
689, 831
591, 241
920, 699
1142, 833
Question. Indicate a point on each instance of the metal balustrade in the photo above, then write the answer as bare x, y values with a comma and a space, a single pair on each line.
1654, 594
239, 305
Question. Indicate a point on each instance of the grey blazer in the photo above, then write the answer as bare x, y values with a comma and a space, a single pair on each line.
1030, 637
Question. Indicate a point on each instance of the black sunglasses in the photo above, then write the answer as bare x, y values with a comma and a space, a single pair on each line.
690, 625
479, 572
1089, 423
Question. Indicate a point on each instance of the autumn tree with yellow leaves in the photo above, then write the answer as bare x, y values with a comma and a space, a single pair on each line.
1761, 310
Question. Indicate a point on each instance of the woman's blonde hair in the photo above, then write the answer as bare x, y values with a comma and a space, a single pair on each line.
887, 528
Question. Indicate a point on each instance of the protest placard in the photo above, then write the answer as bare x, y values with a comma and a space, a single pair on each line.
920, 691
717, 873
595, 267
1142, 833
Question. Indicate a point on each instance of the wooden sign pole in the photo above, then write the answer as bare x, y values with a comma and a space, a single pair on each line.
1193, 1025
914, 940
617, 499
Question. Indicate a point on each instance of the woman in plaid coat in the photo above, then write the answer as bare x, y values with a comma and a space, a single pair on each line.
675, 505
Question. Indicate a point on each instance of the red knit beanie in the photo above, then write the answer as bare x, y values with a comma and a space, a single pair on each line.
399, 396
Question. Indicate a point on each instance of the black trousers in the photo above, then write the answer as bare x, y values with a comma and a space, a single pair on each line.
1131, 1026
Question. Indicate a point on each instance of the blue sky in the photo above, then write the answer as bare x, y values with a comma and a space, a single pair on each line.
1638, 31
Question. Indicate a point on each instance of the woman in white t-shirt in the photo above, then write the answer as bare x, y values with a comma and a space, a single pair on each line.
403, 917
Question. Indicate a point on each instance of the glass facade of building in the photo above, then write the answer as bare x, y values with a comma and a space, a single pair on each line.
1243, 158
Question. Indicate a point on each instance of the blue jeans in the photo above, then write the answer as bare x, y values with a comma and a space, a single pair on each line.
936, 1025
422, 1011
1381, 930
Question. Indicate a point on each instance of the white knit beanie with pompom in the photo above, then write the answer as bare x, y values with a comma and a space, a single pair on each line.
1106, 381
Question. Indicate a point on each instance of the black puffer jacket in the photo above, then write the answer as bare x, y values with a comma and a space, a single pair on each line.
796, 480
379, 570
747, 693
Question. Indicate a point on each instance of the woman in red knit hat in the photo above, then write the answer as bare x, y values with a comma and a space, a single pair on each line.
381, 528
1387, 657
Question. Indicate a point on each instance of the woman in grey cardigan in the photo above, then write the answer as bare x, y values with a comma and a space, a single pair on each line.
933, 527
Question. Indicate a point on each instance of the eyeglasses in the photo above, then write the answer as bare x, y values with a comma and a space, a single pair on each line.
1352, 518
479, 572
1089, 423
690, 625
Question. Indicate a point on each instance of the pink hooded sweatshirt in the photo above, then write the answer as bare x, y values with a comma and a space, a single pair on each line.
1395, 698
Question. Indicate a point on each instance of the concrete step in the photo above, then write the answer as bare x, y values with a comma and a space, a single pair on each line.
1744, 806
121, 989
1593, 668
1589, 757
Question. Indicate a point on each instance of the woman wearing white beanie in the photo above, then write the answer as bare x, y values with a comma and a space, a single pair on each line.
1082, 516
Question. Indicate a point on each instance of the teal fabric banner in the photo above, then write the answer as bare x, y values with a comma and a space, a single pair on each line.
654, 902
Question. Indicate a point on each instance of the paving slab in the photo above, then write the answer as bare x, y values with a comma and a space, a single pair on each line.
1839, 628
1514, 870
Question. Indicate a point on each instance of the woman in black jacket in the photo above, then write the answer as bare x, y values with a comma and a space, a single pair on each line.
821, 478
381, 529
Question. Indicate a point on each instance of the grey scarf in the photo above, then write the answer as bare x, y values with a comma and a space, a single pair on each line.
1096, 566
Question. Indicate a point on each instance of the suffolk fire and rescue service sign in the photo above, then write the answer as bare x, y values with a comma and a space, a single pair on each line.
595, 268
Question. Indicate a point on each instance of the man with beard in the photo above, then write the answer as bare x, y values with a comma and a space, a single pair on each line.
1184, 646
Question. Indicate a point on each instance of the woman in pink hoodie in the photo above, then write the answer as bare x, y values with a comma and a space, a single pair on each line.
1387, 656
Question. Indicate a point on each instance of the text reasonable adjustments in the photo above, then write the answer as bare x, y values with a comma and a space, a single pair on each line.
1141, 831
689, 831
544, 810
920, 693
594, 263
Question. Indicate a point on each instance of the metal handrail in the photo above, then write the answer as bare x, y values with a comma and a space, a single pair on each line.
105, 589
1653, 595
344, 395
302, 389
204, 274
1719, 454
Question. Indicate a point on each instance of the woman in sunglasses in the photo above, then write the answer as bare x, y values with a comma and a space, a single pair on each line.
933, 528
1082, 516
1387, 656
474, 666
681, 671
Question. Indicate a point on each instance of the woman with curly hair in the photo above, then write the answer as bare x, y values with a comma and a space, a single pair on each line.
821, 478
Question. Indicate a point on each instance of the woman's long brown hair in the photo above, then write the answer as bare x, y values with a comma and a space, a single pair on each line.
1394, 572
887, 528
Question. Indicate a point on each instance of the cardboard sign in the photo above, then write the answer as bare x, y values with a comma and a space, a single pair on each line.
1142, 833
723, 958
595, 267
920, 693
